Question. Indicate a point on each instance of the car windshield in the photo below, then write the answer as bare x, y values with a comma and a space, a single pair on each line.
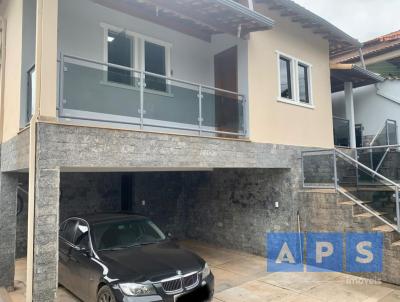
124, 234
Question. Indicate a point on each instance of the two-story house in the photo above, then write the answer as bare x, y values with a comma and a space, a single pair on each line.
192, 112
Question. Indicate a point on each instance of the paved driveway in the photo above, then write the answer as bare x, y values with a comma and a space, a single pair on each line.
242, 277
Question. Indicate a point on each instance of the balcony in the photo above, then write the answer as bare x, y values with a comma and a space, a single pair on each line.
166, 66
105, 92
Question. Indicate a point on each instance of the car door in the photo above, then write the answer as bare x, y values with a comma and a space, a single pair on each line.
80, 261
66, 236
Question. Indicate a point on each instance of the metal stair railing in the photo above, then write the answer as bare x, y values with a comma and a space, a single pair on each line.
377, 175
327, 165
385, 130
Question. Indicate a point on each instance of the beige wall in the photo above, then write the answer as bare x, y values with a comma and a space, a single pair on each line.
280, 123
12, 11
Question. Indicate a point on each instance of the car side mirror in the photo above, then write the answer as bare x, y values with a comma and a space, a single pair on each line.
170, 236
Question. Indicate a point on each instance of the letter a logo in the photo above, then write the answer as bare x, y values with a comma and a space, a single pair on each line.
285, 252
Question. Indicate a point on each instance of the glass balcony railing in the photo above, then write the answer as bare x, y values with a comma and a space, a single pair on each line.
96, 91
341, 132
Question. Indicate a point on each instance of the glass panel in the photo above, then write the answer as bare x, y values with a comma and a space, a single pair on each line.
285, 80
180, 105
120, 52
341, 132
155, 63
392, 132
385, 161
31, 93
223, 111
303, 84
378, 197
86, 89
318, 169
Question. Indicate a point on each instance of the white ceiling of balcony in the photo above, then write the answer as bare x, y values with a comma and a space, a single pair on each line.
198, 18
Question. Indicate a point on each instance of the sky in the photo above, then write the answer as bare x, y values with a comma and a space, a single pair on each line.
361, 19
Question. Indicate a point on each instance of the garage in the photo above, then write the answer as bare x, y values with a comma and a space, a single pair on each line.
227, 208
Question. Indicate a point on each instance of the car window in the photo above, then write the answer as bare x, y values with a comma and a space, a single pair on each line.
67, 230
122, 234
81, 235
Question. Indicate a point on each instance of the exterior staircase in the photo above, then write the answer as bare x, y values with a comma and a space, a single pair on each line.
356, 199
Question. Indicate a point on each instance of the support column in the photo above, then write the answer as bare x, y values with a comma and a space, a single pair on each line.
45, 245
8, 225
42, 248
349, 99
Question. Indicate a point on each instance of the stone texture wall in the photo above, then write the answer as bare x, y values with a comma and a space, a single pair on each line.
88, 193
235, 208
229, 207
15, 153
320, 212
8, 210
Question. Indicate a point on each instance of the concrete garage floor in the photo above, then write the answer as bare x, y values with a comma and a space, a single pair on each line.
243, 277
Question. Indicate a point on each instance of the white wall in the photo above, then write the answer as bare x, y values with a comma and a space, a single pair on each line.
370, 107
80, 34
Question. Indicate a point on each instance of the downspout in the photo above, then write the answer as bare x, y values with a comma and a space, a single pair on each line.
32, 152
362, 58
3, 67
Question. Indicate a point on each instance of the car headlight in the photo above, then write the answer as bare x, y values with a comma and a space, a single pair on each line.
206, 271
133, 289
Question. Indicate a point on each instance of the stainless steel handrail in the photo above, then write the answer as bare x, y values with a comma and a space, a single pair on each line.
385, 126
394, 227
242, 129
150, 74
379, 147
368, 169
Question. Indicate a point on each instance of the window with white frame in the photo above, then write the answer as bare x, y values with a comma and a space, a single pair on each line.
138, 52
294, 80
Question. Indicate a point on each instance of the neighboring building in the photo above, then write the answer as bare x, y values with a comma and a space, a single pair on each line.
375, 104
193, 112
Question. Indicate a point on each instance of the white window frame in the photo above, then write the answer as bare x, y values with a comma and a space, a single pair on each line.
138, 58
294, 73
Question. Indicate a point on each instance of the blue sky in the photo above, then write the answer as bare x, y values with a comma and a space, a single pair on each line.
362, 19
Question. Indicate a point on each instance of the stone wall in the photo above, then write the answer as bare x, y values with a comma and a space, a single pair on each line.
228, 207
320, 212
89, 193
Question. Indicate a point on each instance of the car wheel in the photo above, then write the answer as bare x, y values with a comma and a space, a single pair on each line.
105, 295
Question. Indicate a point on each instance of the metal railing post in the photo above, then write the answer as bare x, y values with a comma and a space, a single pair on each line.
335, 170
141, 110
387, 133
61, 100
397, 209
200, 97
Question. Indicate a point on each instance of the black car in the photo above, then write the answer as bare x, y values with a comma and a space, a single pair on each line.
123, 257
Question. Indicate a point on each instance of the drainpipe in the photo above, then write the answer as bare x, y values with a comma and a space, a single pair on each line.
2, 75
32, 151
362, 58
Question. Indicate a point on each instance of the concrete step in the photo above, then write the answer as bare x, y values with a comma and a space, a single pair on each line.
367, 215
383, 229
396, 244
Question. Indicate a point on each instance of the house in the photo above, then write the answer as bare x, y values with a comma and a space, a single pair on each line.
376, 106
195, 113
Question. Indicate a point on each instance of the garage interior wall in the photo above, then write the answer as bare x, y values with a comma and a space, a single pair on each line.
233, 208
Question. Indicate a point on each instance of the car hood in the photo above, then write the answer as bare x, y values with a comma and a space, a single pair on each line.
153, 262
